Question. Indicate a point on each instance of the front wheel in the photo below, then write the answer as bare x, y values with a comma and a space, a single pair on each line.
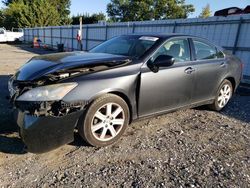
105, 121
223, 96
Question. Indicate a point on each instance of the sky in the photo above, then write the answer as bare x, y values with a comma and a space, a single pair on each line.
95, 6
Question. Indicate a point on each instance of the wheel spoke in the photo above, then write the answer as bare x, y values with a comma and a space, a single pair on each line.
225, 88
118, 121
109, 109
97, 127
227, 97
221, 91
220, 98
103, 134
112, 131
221, 103
100, 116
117, 112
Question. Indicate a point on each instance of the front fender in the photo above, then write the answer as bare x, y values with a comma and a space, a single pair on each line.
93, 86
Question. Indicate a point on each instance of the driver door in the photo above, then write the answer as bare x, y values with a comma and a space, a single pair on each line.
171, 87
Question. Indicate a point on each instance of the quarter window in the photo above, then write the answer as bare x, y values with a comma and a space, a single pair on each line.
204, 51
178, 48
220, 54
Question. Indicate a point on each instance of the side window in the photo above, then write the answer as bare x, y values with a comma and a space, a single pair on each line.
178, 48
204, 51
1, 31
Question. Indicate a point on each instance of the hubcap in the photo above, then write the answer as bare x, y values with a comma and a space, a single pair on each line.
107, 122
224, 96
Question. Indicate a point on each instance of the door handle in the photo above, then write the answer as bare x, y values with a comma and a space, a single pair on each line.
189, 70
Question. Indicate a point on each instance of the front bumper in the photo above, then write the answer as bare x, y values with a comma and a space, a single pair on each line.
43, 134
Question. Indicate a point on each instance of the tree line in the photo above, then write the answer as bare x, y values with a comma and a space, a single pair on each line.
41, 13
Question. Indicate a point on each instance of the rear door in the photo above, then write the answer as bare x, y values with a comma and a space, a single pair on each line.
170, 87
210, 67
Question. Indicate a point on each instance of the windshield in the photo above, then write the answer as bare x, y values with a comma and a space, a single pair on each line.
133, 46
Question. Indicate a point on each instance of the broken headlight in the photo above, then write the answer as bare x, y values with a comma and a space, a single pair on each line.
53, 92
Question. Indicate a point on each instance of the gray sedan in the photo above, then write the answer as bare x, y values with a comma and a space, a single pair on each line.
102, 91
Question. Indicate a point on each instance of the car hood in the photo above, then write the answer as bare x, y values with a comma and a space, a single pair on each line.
47, 64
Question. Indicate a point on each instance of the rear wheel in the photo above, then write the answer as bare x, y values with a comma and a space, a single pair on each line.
105, 121
223, 96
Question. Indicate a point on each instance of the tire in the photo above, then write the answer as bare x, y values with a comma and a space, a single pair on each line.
104, 121
223, 96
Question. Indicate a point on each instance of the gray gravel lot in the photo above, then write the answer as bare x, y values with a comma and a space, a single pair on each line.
187, 148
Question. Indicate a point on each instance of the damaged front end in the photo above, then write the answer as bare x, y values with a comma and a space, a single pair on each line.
46, 121
38, 89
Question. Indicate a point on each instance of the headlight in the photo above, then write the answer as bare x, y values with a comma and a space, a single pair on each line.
47, 93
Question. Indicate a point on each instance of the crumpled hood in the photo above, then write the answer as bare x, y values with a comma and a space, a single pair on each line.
46, 64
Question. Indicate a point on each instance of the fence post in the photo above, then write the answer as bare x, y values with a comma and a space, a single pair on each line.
51, 38
237, 36
23, 35
44, 40
174, 28
60, 28
72, 38
133, 28
106, 32
87, 36
33, 34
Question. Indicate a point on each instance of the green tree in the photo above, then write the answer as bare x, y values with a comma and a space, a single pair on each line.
62, 7
88, 19
139, 10
1, 18
206, 12
37, 13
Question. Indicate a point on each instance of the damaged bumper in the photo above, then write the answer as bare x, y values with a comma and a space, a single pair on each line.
47, 123
43, 134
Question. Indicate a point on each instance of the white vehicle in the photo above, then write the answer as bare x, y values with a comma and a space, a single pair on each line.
11, 36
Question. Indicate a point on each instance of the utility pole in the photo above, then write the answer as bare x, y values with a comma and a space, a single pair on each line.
80, 34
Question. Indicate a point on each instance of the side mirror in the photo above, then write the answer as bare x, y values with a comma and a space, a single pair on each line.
161, 61
164, 61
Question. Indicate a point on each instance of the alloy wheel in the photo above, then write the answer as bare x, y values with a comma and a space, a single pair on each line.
107, 122
224, 95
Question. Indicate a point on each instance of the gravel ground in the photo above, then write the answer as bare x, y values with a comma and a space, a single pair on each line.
187, 148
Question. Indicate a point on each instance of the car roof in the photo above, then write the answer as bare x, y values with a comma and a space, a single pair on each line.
161, 35
170, 35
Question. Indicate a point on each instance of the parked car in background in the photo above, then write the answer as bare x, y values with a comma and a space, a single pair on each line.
129, 77
11, 36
